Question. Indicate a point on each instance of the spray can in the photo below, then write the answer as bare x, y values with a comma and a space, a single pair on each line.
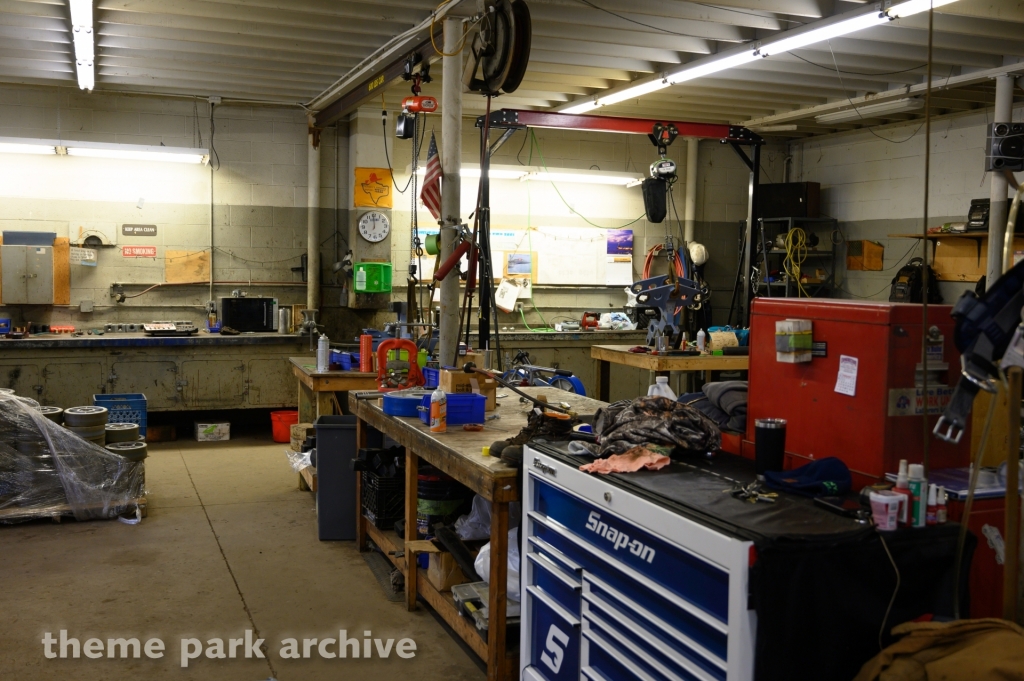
438, 411
941, 511
323, 355
700, 340
902, 488
919, 493
932, 508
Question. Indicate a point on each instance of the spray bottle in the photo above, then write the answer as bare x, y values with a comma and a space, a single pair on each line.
941, 511
903, 489
438, 411
933, 505
919, 493
323, 354
700, 340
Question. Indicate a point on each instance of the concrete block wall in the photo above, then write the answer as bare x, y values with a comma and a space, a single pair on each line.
259, 196
874, 186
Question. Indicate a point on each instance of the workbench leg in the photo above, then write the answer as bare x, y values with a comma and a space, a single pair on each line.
361, 521
411, 494
604, 379
324, 404
707, 376
496, 669
307, 410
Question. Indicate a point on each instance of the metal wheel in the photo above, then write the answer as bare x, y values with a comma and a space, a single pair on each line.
563, 383
122, 432
85, 416
133, 451
55, 414
88, 432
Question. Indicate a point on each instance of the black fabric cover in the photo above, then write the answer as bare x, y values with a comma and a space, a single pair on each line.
655, 193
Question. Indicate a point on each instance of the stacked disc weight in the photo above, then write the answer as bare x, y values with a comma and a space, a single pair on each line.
55, 414
89, 423
133, 451
122, 432
6, 391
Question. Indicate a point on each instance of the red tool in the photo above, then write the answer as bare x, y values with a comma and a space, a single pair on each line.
394, 380
421, 104
589, 321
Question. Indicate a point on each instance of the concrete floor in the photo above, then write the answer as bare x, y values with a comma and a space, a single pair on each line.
230, 544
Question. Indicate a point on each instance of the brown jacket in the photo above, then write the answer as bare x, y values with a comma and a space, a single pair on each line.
971, 650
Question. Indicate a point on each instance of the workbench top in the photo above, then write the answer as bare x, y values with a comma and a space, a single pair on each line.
137, 340
460, 450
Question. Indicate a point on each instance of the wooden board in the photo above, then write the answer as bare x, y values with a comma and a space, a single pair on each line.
61, 271
186, 266
620, 354
307, 479
55, 511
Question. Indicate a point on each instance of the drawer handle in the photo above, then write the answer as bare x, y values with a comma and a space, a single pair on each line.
554, 605
610, 650
553, 570
560, 557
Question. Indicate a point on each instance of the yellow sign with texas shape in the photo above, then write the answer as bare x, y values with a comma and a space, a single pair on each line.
373, 188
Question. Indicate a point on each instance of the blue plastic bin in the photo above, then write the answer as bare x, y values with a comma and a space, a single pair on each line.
124, 408
462, 408
431, 376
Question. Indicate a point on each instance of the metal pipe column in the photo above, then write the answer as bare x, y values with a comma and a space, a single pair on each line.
752, 195
998, 192
690, 207
313, 219
451, 184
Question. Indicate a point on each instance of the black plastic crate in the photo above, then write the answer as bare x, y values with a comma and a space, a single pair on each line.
383, 499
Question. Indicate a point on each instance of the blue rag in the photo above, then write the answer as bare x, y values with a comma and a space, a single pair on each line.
824, 477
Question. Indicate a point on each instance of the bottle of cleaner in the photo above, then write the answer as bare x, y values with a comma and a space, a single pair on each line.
941, 511
438, 411
660, 388
323, 354
932, 508
701, 336
919, 493
903, 489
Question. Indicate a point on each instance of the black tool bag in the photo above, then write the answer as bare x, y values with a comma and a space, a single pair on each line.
908, 284
655, 192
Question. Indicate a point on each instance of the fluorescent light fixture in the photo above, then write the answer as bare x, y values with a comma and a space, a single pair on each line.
470, 172
906, 9
705, 67
820, 35
16, 145
580, 177
83, 39
871, 110
629, 93
138, 152
582, 107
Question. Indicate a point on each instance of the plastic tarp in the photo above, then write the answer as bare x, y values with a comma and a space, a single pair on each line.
47, 470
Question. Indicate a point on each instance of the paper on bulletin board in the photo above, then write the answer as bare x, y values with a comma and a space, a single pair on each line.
618, 271
373, 188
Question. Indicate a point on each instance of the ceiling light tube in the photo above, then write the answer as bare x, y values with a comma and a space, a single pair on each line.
83, 39
825, 33
17, 145
897, 106
138, 152
86, 75
906, 9
580, 177
705, 67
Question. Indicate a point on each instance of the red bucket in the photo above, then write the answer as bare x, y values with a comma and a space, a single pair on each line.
282, 422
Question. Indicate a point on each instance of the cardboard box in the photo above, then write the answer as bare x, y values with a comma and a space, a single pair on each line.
452, 381
212, 432
864, 256
443, 572
960, 258
476, 358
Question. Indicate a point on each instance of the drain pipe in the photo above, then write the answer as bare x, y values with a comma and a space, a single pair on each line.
313, 219
690, 207
451, 195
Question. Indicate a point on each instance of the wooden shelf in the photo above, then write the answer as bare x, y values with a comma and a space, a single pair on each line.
942, 235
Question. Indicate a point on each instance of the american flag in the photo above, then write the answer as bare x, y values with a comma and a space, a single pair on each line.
430, 195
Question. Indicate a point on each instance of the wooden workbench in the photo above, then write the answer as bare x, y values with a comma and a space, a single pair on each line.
458, 454
662, 365
317, 391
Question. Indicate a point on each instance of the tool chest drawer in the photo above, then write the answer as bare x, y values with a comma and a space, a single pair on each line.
662, 599
554, 639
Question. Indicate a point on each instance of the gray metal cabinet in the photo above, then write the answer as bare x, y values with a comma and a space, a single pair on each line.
27, 275
22, 378
157, 380
270, 383
213, 383
71, 384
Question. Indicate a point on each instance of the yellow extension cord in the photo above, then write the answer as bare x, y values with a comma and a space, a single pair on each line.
796, 253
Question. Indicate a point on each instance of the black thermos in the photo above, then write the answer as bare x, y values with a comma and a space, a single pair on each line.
769, 445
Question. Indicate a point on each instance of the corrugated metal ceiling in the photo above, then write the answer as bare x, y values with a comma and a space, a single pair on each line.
290, 51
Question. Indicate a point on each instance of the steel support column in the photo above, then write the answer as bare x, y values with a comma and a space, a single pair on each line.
451, 185
998, 192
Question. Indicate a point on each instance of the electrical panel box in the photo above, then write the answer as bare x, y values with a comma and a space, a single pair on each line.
27, 275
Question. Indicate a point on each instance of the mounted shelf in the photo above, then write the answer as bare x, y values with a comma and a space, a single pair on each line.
960, 256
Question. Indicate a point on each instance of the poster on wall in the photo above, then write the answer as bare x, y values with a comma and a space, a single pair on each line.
82, 256
620, 242
373, 188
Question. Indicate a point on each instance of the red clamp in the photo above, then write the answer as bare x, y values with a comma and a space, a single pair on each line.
413, 379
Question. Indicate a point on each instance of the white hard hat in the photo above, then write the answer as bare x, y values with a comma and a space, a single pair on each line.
698, 254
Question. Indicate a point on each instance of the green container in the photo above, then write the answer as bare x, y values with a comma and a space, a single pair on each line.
373, 277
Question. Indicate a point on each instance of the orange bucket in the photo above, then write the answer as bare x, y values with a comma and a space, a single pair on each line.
281, 423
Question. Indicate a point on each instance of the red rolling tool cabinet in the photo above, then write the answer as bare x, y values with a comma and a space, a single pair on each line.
881, 423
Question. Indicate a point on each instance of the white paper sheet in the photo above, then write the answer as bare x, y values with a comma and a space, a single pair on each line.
846, 381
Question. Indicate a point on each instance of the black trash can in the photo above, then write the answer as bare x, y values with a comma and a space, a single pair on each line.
335, 479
